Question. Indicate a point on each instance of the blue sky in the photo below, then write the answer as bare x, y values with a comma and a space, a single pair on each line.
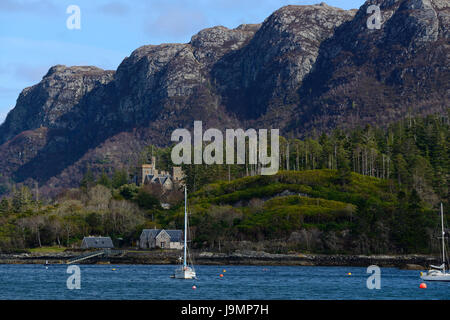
34, 36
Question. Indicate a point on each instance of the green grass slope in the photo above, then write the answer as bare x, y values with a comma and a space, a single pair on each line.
311, 210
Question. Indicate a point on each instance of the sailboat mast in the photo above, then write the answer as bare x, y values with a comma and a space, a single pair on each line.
185, 225
443, 235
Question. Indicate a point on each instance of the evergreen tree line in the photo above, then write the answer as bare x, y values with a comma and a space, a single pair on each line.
414, 153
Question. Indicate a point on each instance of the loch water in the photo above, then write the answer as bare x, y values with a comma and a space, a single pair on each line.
151, 282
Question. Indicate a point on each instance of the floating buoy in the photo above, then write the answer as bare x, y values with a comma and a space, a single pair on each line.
421, 273
224, 271
423, 285
194, 287
46, 267
221, 275
349, 273
113, 269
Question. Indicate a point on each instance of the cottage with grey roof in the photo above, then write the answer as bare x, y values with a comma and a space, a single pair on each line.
160, 238
97, 242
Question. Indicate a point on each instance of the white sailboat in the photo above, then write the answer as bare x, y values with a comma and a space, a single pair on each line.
184, 271
438, 273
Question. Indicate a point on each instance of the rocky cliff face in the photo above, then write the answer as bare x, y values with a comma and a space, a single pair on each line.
267, 72
44, 104
304, 67
377, 76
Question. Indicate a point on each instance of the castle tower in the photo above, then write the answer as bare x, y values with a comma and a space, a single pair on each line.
148, 169
177, 175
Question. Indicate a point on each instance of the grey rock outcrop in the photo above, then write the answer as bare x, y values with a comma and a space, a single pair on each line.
267, 72
42, 105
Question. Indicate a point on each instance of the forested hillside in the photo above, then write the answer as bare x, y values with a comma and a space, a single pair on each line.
369, 190
414, 153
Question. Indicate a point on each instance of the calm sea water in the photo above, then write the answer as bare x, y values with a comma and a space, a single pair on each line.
136, 282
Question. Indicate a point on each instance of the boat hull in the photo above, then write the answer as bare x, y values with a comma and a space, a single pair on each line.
184, 273
436, 277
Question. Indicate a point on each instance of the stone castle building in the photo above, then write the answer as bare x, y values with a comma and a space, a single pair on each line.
148, 173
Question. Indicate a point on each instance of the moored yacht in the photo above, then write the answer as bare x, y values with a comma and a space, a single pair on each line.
184, 271
438, 273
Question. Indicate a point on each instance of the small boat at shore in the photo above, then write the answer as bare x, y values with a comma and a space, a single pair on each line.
184, 271
438, 273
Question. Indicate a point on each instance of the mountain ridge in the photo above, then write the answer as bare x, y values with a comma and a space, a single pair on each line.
303, 68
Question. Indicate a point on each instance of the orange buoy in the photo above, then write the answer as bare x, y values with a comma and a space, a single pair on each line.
221, 275
423, 285
349, 273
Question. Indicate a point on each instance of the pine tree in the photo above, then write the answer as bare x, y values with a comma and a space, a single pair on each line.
401, 169
120, 177
344, 169
22, 199
5, 207
104, 180
88, 180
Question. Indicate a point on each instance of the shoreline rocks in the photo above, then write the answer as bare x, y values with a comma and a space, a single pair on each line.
406, 262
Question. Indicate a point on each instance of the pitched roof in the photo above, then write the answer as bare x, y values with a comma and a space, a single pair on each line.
97, 242
150, 233
160, 178
175, 235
